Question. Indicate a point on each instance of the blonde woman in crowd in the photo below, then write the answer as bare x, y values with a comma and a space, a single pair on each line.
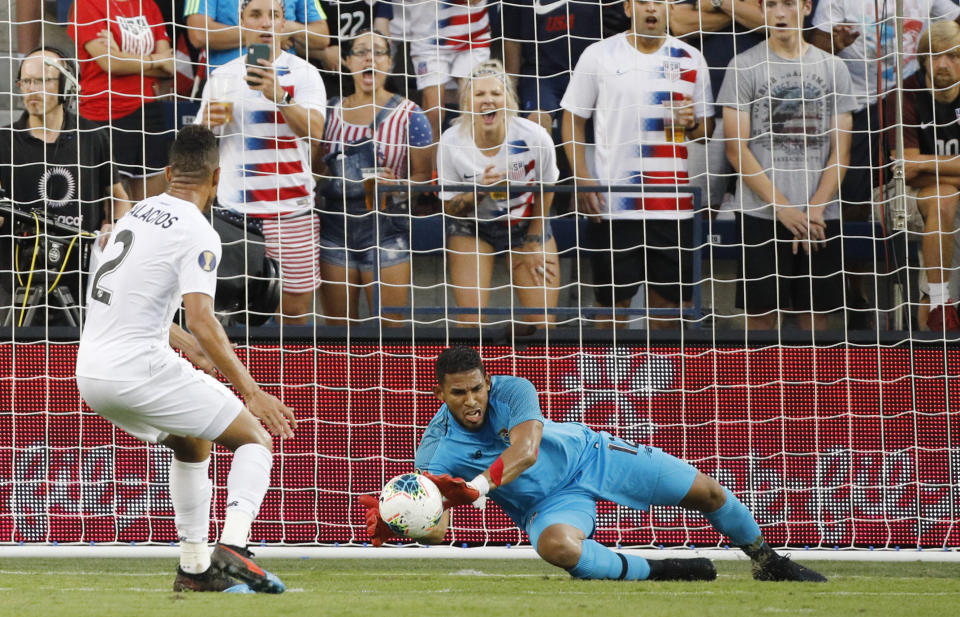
490, 145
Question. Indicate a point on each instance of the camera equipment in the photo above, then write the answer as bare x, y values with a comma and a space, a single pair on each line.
42, 251
248, 282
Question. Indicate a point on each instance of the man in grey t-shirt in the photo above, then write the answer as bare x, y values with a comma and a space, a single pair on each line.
787, 117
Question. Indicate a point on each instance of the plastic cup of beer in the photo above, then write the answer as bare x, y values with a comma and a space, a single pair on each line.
500, 195
219, 92
369, 175
673, 130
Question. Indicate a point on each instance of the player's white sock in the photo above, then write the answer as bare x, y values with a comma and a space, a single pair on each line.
939, 294
190, 493
194, 557
247, 483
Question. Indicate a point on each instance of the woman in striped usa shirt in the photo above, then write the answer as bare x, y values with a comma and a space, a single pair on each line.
373, 138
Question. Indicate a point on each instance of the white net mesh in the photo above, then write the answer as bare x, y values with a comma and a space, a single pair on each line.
846, 437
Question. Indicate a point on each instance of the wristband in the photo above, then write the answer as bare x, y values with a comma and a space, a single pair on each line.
496, 471
481, 484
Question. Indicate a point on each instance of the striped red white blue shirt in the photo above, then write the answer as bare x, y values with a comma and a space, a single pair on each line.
265, 166
623, 90
406, 125
456, 25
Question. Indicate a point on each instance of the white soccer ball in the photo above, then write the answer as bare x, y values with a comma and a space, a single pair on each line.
411, 505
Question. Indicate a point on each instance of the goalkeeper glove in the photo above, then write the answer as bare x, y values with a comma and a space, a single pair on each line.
459, 492
379, 531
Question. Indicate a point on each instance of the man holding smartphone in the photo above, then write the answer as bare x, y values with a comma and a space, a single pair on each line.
267, 137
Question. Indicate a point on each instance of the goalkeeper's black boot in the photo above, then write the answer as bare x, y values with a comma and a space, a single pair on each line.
698, 569
781, 568
238, 562
209, 580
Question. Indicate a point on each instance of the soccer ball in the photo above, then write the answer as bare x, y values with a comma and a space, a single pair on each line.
411, 505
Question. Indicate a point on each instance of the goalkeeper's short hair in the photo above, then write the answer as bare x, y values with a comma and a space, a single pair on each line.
457, 360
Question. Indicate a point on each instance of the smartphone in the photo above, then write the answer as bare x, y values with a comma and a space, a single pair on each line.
255, 52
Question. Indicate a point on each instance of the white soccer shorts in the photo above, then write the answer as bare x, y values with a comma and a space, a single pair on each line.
178, 400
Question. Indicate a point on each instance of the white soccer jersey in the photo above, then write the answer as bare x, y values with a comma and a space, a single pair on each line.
265, 166
160, 250
623, 90
528, 156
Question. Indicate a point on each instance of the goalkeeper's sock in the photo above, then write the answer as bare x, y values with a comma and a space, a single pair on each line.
759, 552
599, 562
247, 483
190, 492
735, 521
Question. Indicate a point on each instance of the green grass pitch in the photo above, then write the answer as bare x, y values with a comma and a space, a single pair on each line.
468, 588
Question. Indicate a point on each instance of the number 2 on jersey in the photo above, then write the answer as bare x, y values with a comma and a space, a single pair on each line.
100, 294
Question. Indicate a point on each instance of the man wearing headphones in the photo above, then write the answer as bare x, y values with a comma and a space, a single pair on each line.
49, 167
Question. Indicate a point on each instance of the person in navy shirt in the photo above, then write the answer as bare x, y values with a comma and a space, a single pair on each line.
542, 43
547, 476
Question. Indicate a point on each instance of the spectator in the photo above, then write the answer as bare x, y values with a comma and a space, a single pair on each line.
349, 19
448, 38
850, 29
787, 118
49, 166
542, 42
123, 50
931, 143
487, 146
364, 238
720, 29
214, 25
274, 115
623, 83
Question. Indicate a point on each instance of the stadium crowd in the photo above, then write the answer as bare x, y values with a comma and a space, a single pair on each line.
649, 141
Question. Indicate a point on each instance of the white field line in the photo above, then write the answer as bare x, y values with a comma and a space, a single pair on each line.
449, 552
645, 592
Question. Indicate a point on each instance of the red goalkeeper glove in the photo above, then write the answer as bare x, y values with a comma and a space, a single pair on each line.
379, 531
457, 491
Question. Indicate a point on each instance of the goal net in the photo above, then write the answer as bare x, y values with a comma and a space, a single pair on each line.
845, 438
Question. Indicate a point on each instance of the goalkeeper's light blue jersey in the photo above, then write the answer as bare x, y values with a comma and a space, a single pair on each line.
566, 447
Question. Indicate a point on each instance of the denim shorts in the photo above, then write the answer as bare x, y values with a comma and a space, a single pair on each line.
497, 233
359, 241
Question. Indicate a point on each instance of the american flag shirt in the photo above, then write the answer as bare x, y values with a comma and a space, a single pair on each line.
623, 90
451, 25
265, 166
406, 125
528, 156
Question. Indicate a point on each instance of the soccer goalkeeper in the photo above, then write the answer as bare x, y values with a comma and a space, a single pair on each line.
547, 476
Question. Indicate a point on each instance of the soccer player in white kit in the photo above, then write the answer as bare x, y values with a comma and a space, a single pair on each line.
162, 252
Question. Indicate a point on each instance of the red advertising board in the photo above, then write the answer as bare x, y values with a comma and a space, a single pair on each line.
841, 446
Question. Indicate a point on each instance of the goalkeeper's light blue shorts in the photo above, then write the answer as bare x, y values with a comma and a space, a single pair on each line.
621, 472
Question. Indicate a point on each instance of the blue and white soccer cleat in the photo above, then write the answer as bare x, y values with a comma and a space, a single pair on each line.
238, 562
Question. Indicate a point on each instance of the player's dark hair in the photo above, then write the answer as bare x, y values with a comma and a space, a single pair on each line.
194, 153
457, 360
